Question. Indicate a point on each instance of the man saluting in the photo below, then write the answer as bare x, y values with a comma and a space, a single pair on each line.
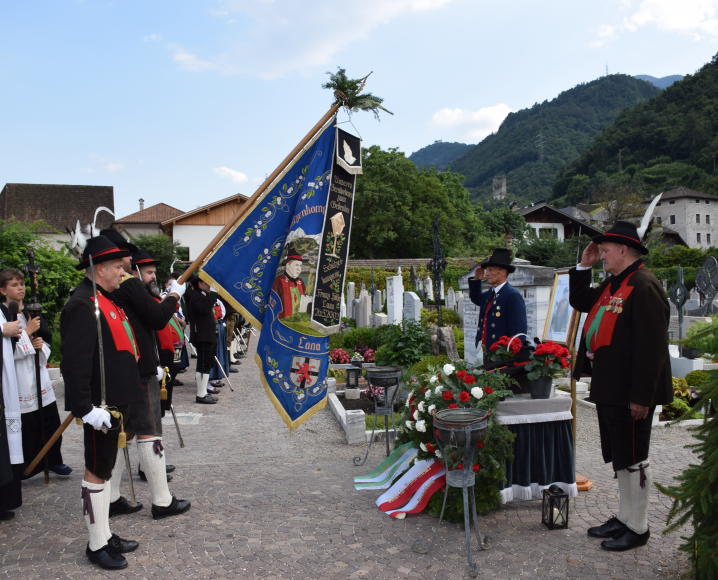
87, 388
624, 347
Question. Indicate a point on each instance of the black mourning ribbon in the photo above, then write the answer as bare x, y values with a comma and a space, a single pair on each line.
87, 502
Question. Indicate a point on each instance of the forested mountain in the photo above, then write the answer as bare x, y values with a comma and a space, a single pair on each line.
439, 154
532, 145
668, 141
661, 83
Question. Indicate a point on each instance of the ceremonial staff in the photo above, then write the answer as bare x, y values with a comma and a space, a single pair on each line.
33, 309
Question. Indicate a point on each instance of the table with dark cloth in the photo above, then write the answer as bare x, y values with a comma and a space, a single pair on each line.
543, 448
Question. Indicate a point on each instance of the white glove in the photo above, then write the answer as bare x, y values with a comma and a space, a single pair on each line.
98, 418
160, 374
175, 288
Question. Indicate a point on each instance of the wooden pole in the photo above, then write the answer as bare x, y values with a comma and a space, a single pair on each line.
571, 344
245, 208
50, 442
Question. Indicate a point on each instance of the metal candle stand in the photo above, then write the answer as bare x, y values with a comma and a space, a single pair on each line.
384, 387
455, 429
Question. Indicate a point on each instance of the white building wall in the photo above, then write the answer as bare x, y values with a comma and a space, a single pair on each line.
195, 237
560, 234
685, 210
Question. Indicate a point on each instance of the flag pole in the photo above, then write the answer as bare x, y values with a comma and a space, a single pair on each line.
250, 202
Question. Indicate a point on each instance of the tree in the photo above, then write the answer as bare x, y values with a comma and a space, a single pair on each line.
503, 222
161, 248
57, 275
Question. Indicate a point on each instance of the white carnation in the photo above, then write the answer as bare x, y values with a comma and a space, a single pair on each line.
433, 379
438, 453
437, 390
431, 408
477, 392
411, 394
409, 425
415, 416
422, 446
421, 426
448, 369
421, 406
427, 394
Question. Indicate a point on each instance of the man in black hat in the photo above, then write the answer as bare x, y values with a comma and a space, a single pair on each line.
146, 316
502, 311
288, 285
624, 348
89, 392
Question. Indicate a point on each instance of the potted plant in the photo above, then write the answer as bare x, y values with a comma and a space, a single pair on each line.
547, 361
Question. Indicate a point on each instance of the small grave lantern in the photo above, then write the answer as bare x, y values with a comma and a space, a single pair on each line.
353, 374
555, 508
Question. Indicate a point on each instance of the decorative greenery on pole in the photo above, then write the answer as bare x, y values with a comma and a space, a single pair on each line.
347, 93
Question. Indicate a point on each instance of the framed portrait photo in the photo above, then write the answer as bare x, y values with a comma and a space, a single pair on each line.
558, 317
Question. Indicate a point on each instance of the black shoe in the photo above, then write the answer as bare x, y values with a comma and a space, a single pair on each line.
6, 515
106, 558
213, 390
122, 506
169, 468
217, 383
206, 400
611, 529
120, 545
143, 477
231, 370
61, 469
626, 541
176, 507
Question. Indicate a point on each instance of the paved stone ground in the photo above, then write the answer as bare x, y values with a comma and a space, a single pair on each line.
270, 504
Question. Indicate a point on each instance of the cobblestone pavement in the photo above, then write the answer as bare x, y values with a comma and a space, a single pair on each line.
267, 503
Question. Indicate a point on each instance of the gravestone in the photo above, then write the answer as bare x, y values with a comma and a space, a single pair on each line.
350, 299
377, 305
442, 296
412, 306
429, 289
342, 308
379, 319
394, 299
451, 299
460, 298
363, 312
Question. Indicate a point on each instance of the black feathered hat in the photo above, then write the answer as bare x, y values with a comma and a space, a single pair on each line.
622, 233
500, 257
119, 240
101, 249
141, 258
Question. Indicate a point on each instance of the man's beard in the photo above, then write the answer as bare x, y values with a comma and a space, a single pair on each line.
154, 289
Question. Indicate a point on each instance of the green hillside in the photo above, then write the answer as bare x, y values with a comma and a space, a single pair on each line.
439, 154
532, 145
668, 141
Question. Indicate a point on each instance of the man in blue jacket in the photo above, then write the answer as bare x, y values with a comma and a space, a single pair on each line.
502, 311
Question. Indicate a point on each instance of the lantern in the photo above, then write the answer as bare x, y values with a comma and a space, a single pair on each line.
554, 508
353, 374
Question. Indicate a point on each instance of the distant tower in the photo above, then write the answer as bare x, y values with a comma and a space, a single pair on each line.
498, 187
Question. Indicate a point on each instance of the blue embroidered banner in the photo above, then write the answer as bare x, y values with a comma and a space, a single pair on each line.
266, 267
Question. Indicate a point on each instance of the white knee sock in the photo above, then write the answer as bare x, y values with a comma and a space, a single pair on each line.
116, 480
201, 384
624, 494
96, 511
153, 464
638, 506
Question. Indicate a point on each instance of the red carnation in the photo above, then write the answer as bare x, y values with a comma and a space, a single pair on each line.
469, 379
430, 447
459, 466
488, 390
464, 396
480, 445
475, 467
447, 395
453, 406
460, 374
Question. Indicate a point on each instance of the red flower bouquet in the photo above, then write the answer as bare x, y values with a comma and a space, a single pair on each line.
550, 359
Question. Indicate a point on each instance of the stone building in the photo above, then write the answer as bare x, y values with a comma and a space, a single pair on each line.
692, 214
147, 221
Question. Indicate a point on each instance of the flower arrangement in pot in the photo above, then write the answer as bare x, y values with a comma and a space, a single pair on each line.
548, 360
455, 386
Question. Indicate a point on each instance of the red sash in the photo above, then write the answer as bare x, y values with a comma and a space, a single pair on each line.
170, 335
601, 320
119, 325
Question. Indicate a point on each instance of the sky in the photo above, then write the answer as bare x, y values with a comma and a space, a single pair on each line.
187, 102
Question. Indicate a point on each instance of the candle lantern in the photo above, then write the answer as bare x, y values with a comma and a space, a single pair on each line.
555, 508
353, 374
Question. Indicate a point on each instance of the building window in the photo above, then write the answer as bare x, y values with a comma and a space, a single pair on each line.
698, 218
707, 202
671, 202
708, 219
659, 219
698, 201
708, 239
673, 219
698, 238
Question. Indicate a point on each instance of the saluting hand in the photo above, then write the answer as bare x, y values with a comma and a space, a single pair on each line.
590, 255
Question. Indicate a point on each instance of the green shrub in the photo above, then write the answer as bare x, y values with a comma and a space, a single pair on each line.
350, 339
422, 367
404, 345
459, 338
431, 316
696, 378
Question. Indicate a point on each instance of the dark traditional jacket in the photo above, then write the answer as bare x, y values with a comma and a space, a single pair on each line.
505, 317
147, 316
633, 366
203, 324
80, 365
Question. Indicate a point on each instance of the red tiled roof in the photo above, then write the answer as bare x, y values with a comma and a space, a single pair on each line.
154, 214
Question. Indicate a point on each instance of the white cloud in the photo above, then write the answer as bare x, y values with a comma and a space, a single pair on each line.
471, 125
695, 18
232, 174
314, 29
112, 167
